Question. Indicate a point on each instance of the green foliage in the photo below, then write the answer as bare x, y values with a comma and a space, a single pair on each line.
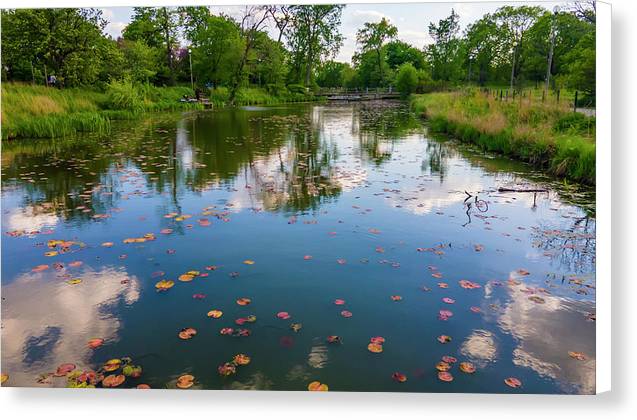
67, 43
407, 79
158, 28
332, 74
313, 34
445, 54
580, 66
399, 52
296, 88
372, 38
139, 59
575, 123
124, 95
217, 46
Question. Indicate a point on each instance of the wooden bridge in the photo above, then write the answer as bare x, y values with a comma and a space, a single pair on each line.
352, 95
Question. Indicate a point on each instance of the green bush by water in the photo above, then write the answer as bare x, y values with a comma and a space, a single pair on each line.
271, 95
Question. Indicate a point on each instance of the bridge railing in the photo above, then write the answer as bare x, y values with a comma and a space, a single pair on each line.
350, 91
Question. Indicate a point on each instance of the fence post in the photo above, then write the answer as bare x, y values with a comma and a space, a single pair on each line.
543, 93
558, 96
575, 103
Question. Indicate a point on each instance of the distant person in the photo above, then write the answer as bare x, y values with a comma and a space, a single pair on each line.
53, 80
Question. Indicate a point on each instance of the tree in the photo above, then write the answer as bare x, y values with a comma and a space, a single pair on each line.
399, 52
444, 53
332, 74
282, 17
406, 79
584, 10
192, 20
268, 61
139, 60
515, 22
313, 34
253, 20
217, 45
372, 37
483, 43
369, 74
65, 42
158, 28
580, 65
565, 29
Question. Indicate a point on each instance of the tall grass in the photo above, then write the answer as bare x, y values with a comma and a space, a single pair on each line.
37, 111
549, 136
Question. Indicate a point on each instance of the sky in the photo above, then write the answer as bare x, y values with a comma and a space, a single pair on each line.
411, 19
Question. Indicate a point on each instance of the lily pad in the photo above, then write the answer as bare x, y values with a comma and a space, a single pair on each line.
164, 285
185, 381
317, 386
241, 359
215, 313
112, 381
187, 333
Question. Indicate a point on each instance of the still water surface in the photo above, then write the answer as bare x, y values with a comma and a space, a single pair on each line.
294, 207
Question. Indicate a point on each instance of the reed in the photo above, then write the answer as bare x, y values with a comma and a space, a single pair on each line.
549, 136
40, 112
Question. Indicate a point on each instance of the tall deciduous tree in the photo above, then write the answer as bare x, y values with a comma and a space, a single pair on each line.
444, 52
484, 48
314, 33
217, 45
66, 42
373, 36
399, 52
158, 28
515, 22
253, 21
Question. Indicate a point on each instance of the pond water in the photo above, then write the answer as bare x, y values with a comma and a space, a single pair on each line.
295, 208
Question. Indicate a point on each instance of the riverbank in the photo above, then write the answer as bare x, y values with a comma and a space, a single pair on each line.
549, 136
40, 112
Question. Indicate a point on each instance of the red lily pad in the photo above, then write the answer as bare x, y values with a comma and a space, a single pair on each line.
513, 382
112, 381
399, 377
94, 343
64, 369
445, 376
283, 315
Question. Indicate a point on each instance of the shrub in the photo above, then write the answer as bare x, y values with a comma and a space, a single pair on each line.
296, 88
407, 79
124, 95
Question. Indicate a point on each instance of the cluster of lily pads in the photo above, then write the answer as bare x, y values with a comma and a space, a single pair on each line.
230, 368
111, 374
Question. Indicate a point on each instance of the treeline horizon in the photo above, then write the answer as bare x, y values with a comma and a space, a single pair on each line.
514, 46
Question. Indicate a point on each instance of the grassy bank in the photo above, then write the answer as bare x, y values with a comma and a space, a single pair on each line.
37, 111
549, 136
259, 96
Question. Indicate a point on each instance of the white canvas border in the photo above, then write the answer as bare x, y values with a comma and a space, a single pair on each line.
603, 199
603, 150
